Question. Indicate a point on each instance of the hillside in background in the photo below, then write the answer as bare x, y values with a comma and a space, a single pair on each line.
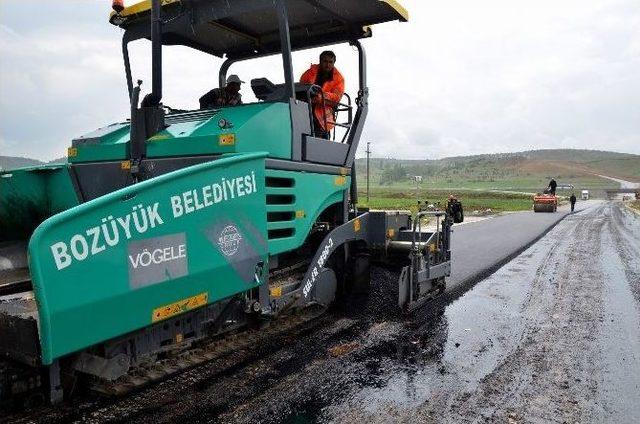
524, 171
12, 162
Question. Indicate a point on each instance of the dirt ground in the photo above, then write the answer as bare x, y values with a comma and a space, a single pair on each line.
553, 336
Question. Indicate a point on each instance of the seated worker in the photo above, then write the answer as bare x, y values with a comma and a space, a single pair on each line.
227, 96
326, 76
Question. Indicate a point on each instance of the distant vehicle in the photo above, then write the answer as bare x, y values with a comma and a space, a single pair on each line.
585, 194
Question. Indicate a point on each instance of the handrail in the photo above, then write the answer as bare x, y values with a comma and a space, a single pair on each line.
416, 222
338, 107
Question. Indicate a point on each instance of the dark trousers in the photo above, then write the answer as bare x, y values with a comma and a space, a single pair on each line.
319, 131
573, 205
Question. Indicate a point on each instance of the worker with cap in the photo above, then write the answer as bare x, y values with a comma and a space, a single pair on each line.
331, 89
573, 199
227, 96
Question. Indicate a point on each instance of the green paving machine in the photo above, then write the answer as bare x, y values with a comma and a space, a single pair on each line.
175, 227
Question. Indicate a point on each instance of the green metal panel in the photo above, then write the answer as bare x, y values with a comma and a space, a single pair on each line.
30, 195
102, 152
256, 127
101, 270
107, 143
60, 192
311, 195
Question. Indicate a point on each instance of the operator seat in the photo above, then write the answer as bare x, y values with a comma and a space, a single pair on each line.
265, 90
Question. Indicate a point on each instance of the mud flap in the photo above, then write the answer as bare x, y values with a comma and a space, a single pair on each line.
325, 290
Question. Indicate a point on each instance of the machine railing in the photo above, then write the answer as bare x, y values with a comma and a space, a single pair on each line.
337, 108
417, 245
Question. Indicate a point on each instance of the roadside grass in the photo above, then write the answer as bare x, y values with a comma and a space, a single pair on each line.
635, 204
472, 200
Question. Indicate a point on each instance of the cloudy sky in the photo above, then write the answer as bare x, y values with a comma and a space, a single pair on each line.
462, 77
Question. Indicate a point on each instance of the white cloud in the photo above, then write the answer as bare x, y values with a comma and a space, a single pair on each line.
461, 77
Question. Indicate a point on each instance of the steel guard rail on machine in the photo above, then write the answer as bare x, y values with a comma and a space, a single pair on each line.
148, 252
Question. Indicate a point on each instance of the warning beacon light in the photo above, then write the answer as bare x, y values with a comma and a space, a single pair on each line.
118, 5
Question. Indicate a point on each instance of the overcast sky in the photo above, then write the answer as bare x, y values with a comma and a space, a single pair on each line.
461, 77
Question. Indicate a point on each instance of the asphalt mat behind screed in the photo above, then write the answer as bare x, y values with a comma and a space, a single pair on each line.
292, 377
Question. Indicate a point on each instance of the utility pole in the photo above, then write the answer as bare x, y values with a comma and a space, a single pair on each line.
368, 154
418, 180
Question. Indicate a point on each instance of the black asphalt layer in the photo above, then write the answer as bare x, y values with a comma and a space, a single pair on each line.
480, 248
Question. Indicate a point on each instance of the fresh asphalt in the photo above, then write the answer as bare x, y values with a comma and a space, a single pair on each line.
480, 248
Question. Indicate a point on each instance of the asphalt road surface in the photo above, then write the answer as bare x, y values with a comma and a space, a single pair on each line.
479, 248
551, 336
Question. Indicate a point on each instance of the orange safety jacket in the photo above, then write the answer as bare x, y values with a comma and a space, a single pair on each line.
333, 90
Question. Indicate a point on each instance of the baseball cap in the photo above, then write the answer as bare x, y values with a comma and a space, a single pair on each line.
234, 78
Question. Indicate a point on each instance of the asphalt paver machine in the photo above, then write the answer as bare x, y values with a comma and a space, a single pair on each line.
177, 226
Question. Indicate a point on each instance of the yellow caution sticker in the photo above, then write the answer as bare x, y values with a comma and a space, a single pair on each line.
125, 165
299, 214
340, 180
275, 291
356, 225
226, 139
160, 137
72, 152
179, 307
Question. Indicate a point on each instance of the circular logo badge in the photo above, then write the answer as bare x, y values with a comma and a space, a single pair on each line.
229, 240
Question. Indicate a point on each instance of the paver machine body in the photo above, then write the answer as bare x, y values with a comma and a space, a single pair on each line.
173, 227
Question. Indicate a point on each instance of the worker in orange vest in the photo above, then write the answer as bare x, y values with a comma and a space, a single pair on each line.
326, 76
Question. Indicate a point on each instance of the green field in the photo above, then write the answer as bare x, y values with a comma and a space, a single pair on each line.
472, 200
526, 172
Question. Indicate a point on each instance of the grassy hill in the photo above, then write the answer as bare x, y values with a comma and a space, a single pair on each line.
524, 171
12, 162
